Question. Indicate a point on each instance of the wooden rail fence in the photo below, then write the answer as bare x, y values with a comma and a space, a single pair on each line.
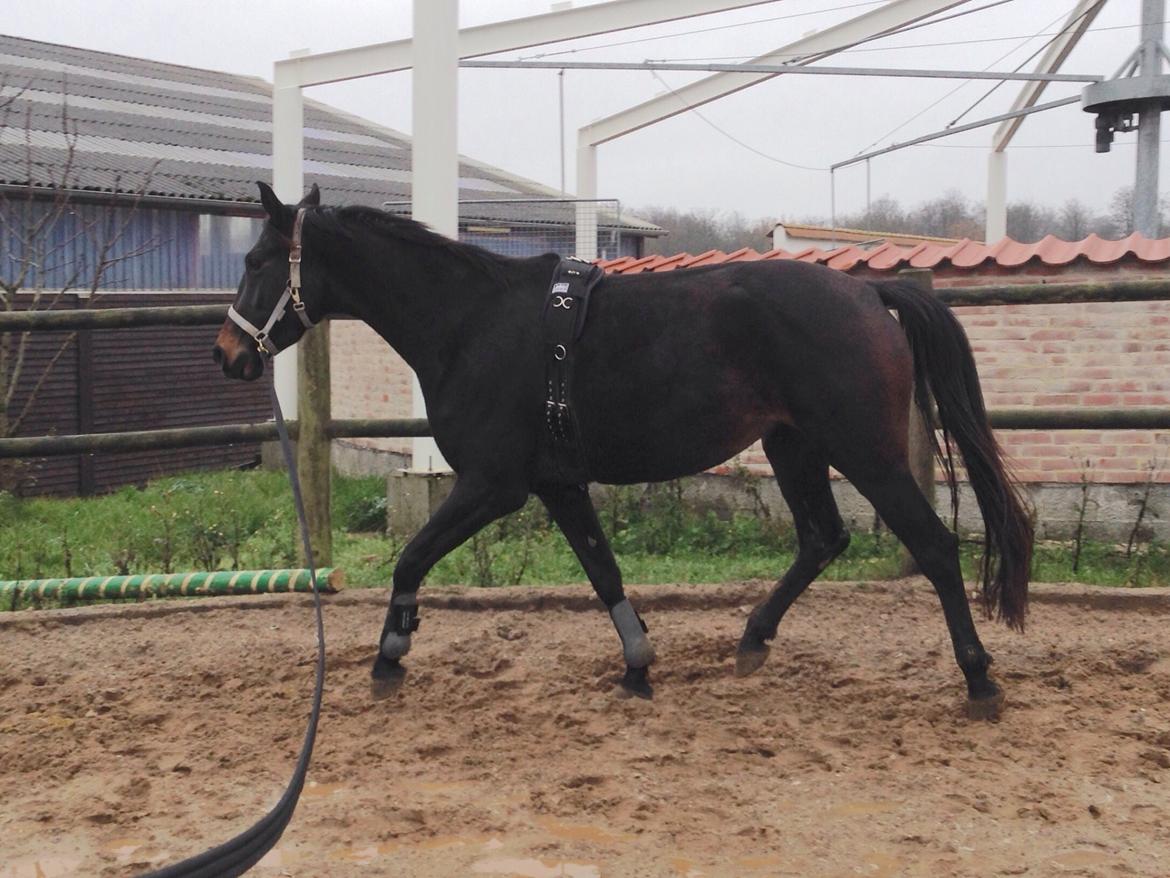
315, 426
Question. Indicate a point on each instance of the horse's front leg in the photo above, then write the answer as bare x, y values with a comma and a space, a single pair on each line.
473, 503
573, 512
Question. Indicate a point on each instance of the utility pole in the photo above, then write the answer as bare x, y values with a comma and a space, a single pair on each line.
1139, 87
1145, 186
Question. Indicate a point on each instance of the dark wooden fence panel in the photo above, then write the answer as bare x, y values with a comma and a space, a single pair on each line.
138, 379
55, 408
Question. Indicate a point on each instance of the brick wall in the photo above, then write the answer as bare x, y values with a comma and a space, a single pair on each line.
1100, 354
1104, 354
1096, 354
368, 380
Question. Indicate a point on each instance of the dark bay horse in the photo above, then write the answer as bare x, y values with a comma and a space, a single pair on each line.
674, 374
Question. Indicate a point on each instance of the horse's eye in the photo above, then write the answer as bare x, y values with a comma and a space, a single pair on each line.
252, 262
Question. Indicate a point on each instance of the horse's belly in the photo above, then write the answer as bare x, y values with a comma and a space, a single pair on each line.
653, 448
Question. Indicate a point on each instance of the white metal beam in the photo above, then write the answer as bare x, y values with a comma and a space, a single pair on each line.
1075, 25
819, 45
503, 36
1074, 28
995, 221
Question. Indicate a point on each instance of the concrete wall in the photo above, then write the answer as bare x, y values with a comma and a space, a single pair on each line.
1110, 511
369, 380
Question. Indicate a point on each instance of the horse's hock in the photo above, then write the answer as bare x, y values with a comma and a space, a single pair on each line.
509, 754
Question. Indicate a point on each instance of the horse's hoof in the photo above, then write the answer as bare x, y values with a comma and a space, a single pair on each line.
987, 708
386, 678
748, 661
636, 683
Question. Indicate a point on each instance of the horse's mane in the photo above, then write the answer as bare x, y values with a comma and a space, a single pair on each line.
341, 220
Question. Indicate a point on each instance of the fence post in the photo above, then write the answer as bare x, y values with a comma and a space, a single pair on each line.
313, 460
920, 447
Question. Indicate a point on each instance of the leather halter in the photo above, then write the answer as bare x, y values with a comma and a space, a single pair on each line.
292, 290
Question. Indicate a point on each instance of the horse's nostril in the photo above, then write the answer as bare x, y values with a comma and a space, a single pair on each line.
217, 355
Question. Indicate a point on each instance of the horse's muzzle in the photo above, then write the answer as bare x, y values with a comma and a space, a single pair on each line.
236, 354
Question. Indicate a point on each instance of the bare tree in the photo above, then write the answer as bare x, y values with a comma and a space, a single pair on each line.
1121, 211
884, 214
50, 246
1074, 220
1028, 222
950, 215
697, 231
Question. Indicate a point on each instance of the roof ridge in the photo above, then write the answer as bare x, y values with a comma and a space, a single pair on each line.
121, 56
873, 232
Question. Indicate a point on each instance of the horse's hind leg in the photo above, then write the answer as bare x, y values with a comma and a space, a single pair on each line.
573, 512
803, 474
909, 515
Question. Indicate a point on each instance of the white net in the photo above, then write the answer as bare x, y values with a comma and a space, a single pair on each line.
589, 228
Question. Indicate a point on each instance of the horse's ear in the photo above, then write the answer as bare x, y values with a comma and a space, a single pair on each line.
313, 199
279, 215
271, 203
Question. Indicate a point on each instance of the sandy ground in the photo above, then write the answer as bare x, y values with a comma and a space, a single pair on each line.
131, 737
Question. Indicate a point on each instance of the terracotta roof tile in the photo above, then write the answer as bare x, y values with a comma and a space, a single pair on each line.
711, 257
885, 256
1054, 251
639, 265
965, 254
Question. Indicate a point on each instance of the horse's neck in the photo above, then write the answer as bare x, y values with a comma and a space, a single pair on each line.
418, 298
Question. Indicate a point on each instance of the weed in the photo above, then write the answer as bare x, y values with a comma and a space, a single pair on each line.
245, 520
1079, 535
359, 504
1137, 534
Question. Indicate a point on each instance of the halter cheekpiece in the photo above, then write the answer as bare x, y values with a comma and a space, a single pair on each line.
292, 291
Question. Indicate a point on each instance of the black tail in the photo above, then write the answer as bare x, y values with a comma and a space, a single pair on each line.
944, 366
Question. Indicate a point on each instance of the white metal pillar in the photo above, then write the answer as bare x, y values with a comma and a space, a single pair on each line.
288, 151
996, 197
586, 243
434, 153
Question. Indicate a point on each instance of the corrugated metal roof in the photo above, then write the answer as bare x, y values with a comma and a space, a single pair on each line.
182, 132
964, 254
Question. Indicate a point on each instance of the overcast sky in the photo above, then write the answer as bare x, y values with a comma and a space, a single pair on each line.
510, 118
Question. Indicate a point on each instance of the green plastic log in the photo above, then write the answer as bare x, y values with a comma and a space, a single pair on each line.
172, 584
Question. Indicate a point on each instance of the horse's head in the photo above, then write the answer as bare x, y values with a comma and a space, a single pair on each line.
269, 313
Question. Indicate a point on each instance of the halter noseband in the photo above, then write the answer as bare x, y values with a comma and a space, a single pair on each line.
292, 290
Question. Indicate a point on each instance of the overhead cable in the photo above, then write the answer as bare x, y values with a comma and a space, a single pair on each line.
1063, 32
702, 30
732, 137
950, 92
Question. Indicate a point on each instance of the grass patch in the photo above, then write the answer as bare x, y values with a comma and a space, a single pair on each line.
244, 520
